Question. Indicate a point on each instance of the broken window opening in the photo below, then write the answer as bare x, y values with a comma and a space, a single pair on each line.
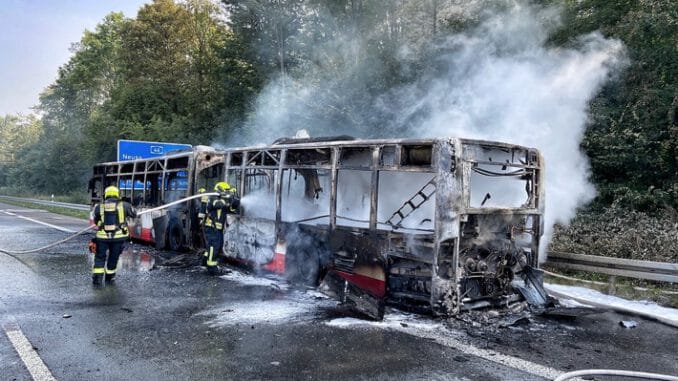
176, 186
406, 200
236, 159
306, 197
387, 156
416, 155
500, 177
353, 198
258, 200
308, 156
356, 157
209, 177
494, 186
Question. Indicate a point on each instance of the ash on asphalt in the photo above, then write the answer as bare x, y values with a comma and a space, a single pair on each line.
573, 338
566, 337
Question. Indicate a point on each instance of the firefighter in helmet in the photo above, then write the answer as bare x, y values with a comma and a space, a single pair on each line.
202, 210
215, 220
203, 205
110, 218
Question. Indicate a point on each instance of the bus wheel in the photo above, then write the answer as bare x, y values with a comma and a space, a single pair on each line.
302, 265
175, 235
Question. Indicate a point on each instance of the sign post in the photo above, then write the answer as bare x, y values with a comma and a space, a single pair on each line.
134, 149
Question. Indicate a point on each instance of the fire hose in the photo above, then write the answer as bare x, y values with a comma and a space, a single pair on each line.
13, 253
614, 372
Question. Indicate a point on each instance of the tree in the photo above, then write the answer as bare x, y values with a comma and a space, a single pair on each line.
17, 133
63, 155
170, 66
632, 139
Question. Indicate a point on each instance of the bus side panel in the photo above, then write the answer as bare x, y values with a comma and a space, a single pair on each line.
141, 228
250, 240
357, 274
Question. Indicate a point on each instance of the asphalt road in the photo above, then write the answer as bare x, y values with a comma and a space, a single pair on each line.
168, 323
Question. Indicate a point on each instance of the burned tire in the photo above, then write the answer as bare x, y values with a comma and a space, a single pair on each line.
302, 265
175, 235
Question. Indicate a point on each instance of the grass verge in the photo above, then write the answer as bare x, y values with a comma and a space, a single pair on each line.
52, 209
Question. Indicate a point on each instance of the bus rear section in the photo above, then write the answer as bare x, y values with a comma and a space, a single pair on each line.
484, 251
154, 182
430, 225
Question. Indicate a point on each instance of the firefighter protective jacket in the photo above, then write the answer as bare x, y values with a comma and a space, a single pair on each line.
204, 200
110, 217
218, 208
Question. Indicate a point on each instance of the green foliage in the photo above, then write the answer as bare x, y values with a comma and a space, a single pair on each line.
193, 71
155, 77
17, 133
632, 140
619, 232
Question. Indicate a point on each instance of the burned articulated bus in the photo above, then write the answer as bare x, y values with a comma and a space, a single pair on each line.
436, 225
152, 182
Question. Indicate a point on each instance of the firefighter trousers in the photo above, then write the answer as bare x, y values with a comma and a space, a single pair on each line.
215, 240
107, 264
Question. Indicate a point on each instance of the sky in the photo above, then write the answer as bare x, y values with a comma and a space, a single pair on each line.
35, 40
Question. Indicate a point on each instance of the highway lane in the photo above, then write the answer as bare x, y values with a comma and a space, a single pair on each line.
178, 323
67, 205
165, 324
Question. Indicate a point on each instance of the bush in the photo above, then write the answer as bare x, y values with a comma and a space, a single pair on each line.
621, 232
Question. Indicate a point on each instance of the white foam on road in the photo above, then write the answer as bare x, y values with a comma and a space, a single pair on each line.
259, 312
294, 306
254, 280
598, 299
394, 320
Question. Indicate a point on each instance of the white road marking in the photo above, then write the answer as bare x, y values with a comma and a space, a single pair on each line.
25, 210
39, 222
29, 356
510, 361
443, 336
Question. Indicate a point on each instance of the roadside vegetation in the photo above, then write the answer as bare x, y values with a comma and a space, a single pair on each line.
193, 71
622, 233
82, 214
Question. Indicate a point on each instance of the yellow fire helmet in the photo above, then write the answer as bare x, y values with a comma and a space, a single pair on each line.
111, 191
202, 190
222, 186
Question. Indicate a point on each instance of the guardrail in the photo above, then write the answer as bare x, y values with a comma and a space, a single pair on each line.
658, 271
49, 203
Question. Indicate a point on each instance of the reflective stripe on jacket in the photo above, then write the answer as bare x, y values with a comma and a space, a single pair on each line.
216, 214
203, 208
110, 217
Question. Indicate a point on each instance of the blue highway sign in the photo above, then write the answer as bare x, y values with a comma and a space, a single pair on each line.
134, 149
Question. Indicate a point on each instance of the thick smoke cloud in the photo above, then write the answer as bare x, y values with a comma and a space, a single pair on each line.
499, 80
502, 83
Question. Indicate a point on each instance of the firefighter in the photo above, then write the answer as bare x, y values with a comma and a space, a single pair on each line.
203, 205
110, 217
215, 221
202, 209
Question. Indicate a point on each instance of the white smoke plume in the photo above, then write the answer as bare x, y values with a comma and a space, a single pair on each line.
502, 83
499, 81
